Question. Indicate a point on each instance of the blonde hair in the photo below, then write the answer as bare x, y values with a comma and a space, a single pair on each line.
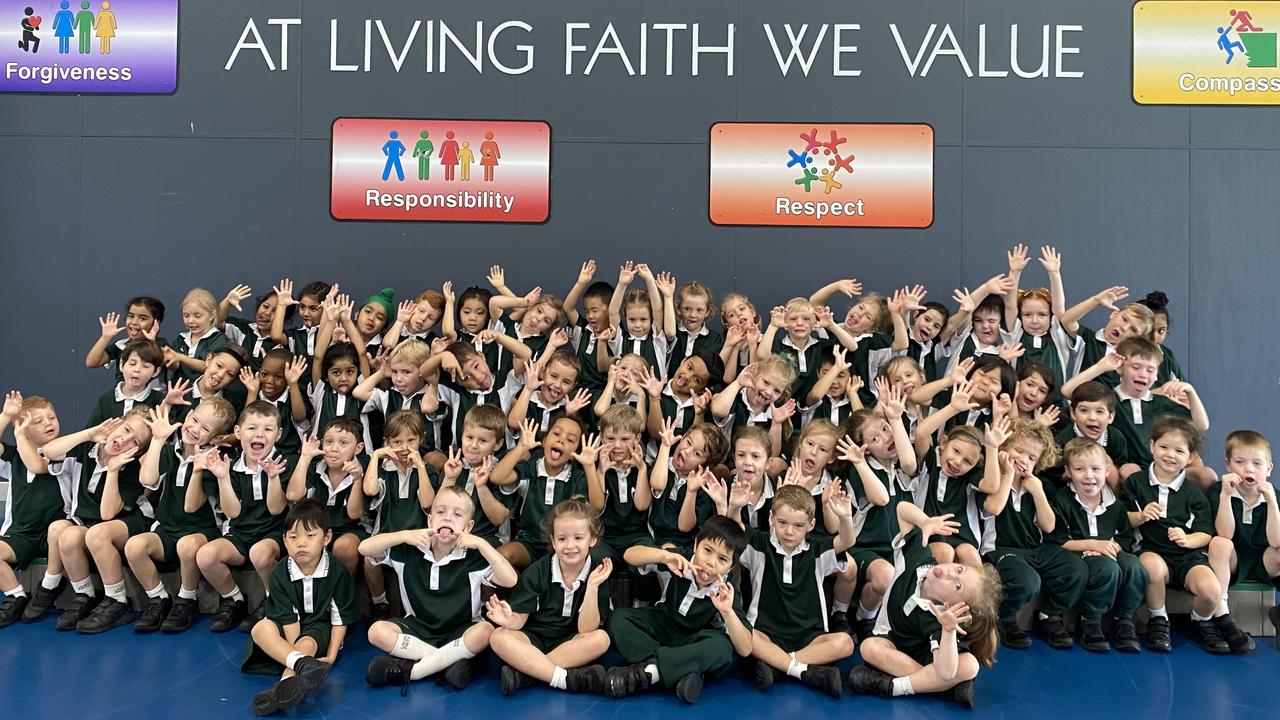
622, 417
1144, 321
983, 612
694, 289
799, 305
820, 426
202, 299
882, 321
892, 366
1237, 440
796, 498
412, 351
730, 297
31, 403
777, 365
1021, 429
222, 410
1079, 447
757, 435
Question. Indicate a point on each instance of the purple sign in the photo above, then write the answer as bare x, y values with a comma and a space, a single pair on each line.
89, 46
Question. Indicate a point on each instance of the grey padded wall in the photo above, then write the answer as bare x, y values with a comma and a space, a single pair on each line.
227, 180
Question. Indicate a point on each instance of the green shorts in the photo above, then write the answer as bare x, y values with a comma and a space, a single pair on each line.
243, 542
136, 523
411, 625
863, 557
26, 548
1180, 565
360, 533
169, 541
545, 643
1249, 569
257, 662
790, 640
536, 548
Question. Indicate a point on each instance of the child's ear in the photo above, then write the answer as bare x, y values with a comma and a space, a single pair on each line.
470, 524
236, 431
155, 373
328, 537
359, 448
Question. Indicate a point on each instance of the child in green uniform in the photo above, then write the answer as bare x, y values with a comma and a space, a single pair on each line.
470, 466
624, 476
937, 627
34, 501
106, 509
835, 395
1017, 518
1032, 316
251, 495
636, 318
140, 364
299, 340
788, 607
311, 601
1092, 522
1136, 360
678, 509
1169, 367
698, 625
954, 480
252, 335
407, 391
1133, 320
277, 382
691, 307
1093, 410
142, 319
553, 625
221, 368
329, 472
336, 367
799, 345
588, 327
186, 354
185, 519
1247, 519
465, 380
442, 569
546, 392
562, 472
684, 398
400, 487
1174, 524
884, 474
750, 488
752, 399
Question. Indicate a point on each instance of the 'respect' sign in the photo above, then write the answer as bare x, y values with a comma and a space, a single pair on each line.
1206, 53
825, 175
100, 47
451, 170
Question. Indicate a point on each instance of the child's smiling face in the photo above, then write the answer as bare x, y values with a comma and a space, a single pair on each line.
473, 316
266, 310
560, 443
196, 319
271, 380
138, 321
596, 311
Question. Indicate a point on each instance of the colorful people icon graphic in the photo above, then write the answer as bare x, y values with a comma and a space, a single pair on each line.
807, 180
423, 151
1227, 43
30, 42
466, 156
1243, 21
829, 181
393, 149
802, 159
84, 24
105, 27
64, 27
449, 155
489, 155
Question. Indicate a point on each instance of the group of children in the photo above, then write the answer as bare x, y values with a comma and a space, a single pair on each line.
551, 478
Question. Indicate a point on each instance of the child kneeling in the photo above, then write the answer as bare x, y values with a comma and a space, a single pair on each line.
310, 603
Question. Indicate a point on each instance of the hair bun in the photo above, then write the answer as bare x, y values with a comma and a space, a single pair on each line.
1156, 300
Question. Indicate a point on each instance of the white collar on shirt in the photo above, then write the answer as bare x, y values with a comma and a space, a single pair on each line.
322, 569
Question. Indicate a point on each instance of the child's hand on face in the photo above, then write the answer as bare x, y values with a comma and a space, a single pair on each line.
499, 612
481, 473
1017, 258
100, 433
850, 451
734, 336
274, 467
1006, 464
1033, 485
453, 467
1112, 362
677, 564
249, 379
579, 402
118, 461
528, 435
782, 413
1152, 511
310, 447
666, 283
110, 325
1267, 489
589, 452
531, 297
404, 311
1050, 259
600, 573
1230, 481
607, 334
467, 541
636, 459
952, 616
587, 272
284, 294
778, 317
237, 295
1178, 536
722, 597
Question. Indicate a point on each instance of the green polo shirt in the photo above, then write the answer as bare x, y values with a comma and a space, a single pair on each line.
509, 497
664, 512
686, 345
787, 595
198, 348
1015, 527
115, 403
805, 360
877, 525
33, 501
327, 404
1076, 521
1093, 349
250, 486
460, 400
325, 597
333, 498
1184, 505
903, 618
1134, 418
621, 520
1115, 443
553, 601
543, 491
1250, 537
244, 332
443, 594
688, 608
397, 503
673, 408
874, 350
290, 442
955, 495
88, 479
171, 515
584, 345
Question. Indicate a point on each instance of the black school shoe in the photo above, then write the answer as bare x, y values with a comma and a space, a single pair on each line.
689, 687
824, 678
153, 615
246, 625
1158, 634
1237, 639
283, 695
228, 615
11, 610
181, 616
839, 622
457, 675
387, 670
864, 628
1092, 637
513, 680
1207, 635
765, 675
1274, 614
961, 694
1012, 635
589, 680
41, 603
110, 613
1054, 632
866, 680
627, 680
1126, 635
381, 611
79, 608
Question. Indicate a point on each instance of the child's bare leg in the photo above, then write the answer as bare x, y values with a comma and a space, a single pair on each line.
846, 583
346, 549
515, 649
374, 580
879, 576
1271, 561
942, 552
55, 568
188, 569
142, 551
104, 542
968, 555
279, 642
75, 558
1202, 583
215, 561
516, 554
264, 555
826, 649
8, 578
1222, 559
1158, 571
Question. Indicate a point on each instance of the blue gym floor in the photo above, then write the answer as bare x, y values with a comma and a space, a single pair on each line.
195, 676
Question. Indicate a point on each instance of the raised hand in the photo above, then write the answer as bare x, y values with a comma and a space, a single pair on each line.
274, 467
296, 368
999, 285
961, 371
962, 397
627, 273
855, 385
651, 383
838, 500
557, 339
577, 403
118, 461
590, 450
1112, 295
217, 463
404, 310
784, 412
237, 295
850, 287
310, 447
952, 616
997, 433
481, 473
284, 293
158, 420
964, 301
722, 597
100, 433
110, 325
499, 612
12, 404
532, 297
587, 272
447, 291
668, 436
715, 488
851, 451
497, 277
528, 435
453, 466
600, 573
747, 377
666, 283
1047, 415
1050, 259
249, 379
1010, 352
1017, 258
825, 317
1002, 406
940, 525
778, 317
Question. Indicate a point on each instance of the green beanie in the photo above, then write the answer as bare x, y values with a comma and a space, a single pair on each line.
386, 297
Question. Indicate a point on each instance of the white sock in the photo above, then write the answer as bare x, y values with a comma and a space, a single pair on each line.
1042, 616
1197, 617
1159, 612
1222, 605
84, 587
235, 595
158, 591
865, 614
293, 658
115, 591
558, 678
186, 594
440, 659
652, 670
380, 599
796, 668
51, 581
902, 686
837, 606
411, 648
17, 592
